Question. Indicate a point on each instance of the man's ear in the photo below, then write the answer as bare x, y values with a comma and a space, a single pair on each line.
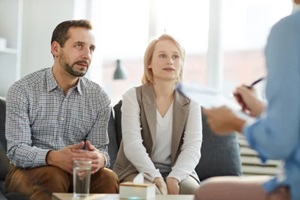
55, 48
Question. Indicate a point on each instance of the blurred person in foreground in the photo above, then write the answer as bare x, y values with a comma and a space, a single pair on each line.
275, 134
55, 116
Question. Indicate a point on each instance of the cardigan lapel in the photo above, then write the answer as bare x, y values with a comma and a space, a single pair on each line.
180, 115
148, 96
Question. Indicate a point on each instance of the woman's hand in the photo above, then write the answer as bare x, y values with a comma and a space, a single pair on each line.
172, 185
161, 185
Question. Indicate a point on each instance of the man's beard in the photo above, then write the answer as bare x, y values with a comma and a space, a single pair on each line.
69, 67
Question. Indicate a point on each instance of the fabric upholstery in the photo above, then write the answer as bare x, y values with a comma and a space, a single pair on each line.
118, 124
113, 144
220, 155
4, 161
4, 164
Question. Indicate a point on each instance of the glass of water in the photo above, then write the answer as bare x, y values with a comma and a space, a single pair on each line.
81, 178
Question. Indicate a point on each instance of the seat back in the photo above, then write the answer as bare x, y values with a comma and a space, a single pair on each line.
113, 145
220, 156
4, 164
2, 123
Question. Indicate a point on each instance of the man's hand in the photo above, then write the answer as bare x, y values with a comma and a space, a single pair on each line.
97, 158
161, 185
172, 185
63, 158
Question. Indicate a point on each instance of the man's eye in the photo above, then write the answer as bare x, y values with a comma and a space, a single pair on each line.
78, 45
92, 49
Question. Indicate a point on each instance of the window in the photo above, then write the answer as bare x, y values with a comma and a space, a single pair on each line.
123, 31
246, 26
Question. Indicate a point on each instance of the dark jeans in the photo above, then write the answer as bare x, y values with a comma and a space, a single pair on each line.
39, 183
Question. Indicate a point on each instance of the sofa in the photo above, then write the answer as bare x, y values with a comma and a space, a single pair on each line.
220, 155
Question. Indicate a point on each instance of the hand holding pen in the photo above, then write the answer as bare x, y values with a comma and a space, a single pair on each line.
246, 97
255, 82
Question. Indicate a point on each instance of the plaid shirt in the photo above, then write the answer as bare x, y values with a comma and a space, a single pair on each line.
40, 118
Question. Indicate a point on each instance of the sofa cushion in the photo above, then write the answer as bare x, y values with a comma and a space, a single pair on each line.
220, 155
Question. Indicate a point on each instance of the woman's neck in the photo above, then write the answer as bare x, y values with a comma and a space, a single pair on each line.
296, 7
164, 89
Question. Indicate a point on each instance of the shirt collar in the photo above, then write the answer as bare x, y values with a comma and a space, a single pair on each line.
50, 80
52, 84
80, 85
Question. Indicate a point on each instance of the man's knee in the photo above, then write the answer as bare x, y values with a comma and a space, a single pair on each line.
104, 181
55, 174
48, 175
41, 179
109, 174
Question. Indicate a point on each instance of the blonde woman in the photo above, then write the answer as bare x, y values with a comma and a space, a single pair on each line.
162, 130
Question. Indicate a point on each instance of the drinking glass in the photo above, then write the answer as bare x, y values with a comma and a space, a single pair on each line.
81, 178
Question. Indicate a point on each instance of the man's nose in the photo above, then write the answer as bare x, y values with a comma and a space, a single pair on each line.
87, 53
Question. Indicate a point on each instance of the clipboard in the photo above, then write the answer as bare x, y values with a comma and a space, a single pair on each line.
211, 98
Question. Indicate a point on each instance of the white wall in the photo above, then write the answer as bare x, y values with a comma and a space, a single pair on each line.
27, 26
40, 17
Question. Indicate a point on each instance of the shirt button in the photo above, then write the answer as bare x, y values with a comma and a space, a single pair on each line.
62, 119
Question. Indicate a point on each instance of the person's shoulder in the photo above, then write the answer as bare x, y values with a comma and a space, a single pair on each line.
89, 84
130, 92
34, 78
285, 32
289, 23
294, 17
92, 88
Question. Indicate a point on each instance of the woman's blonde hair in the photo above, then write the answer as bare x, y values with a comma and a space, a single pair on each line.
148, 74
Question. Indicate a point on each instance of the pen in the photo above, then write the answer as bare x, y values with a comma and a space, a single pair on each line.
239, 97
255, 82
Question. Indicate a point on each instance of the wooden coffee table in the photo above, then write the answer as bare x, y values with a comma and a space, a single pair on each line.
69, 196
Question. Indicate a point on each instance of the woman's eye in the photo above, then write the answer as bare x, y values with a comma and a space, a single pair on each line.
162, 55
175, 56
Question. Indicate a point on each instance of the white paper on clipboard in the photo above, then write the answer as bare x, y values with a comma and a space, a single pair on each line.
209, 98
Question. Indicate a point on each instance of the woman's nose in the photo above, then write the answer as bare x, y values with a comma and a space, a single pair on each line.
170, 61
